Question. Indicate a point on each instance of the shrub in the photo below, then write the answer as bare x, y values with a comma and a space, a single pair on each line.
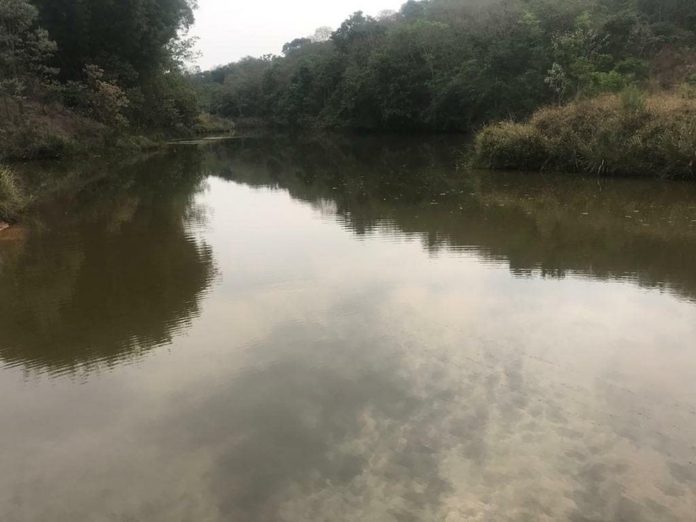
633, 101
12, 198
106, 99
27, 142
625, 134
510, 145
210, 124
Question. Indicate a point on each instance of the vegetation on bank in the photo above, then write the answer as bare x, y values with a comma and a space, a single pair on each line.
76, 76
452, 65
211, 124
625, 134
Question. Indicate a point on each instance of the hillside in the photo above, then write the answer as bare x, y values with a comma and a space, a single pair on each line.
451, 65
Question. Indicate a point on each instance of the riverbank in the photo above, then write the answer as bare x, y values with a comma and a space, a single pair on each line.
50, 131
38, 131
628, 134
17, 194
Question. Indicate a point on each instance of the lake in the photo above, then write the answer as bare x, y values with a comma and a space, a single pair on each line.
347, 329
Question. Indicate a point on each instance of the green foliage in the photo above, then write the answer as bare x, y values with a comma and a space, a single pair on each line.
119, 63
633, 101
450, 64
244, 88
164, 101
29, 142
106, 100
24, 50
126, 39
627, 134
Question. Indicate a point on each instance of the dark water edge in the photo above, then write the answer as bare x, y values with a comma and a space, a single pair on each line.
300, 328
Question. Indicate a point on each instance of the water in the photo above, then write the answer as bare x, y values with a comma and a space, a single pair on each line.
280, 329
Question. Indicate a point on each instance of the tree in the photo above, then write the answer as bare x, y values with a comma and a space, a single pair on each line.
137, 44
125, 38
106, 101
454, 64
25, 49
295, 45
357, 31
322, 34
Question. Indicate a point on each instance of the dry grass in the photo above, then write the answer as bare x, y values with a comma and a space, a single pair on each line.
212, 124
626, 134
37, 131
509, 145
12, 199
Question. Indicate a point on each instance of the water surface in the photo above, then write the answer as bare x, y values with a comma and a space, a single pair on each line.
279, 329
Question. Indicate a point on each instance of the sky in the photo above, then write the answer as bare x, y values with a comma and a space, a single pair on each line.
232, 29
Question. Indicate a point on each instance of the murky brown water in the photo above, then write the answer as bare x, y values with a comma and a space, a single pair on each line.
347, 330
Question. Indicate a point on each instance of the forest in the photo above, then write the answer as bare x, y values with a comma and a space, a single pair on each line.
451, 65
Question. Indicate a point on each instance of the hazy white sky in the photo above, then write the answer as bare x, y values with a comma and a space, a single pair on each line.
231, 29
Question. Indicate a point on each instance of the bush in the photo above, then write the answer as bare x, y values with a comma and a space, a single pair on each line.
12, 198
27, 142
625, 134
510, 145
210, 124
106, 100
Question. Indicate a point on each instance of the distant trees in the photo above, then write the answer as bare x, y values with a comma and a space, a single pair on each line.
296, 45
451, 64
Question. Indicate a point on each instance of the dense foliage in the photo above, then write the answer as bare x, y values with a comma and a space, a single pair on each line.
451, 64
25, 50
118, 63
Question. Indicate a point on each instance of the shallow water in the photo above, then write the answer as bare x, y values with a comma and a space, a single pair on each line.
281, 329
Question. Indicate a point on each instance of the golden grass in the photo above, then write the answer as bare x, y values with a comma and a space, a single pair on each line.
625, 134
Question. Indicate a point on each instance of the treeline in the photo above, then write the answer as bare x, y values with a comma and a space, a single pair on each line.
448, 65
116, 63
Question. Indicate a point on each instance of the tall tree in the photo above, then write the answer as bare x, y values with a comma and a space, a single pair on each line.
24, 49
126, 38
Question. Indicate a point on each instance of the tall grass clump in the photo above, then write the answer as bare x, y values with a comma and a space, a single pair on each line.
622, 134
509, 145
12, 199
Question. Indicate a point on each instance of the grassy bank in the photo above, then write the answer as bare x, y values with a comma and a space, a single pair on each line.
623, 134
32, 130
50, 131
39, 132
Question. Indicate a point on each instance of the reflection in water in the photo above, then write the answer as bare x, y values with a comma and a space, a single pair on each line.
116, 275
386, 340
552, 224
